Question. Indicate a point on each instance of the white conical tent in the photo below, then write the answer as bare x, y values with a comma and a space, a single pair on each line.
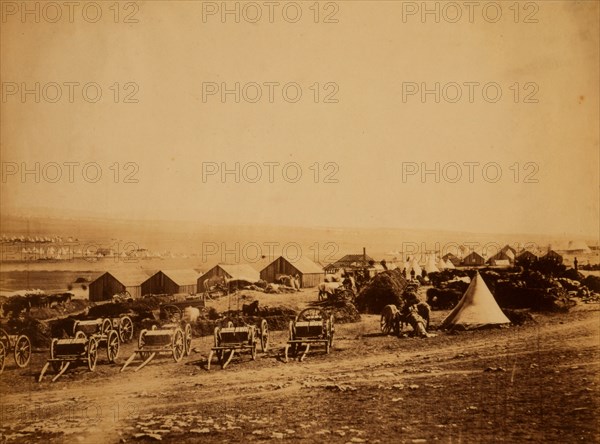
441, 264
414, 265
450, 265
430, 266
476, 309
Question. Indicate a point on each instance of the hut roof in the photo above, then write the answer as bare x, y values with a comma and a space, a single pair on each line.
241, 271
182, 276
130, 278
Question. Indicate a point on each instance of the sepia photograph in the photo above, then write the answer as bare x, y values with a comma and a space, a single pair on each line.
309, 221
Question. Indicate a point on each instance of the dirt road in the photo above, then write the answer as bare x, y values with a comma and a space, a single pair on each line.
534, 383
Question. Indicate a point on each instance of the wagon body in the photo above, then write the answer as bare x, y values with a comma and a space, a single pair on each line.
80, 349
90, 328
70, 348
18, 345
309, 330
312, 326
173, 338
232, 339
89, 335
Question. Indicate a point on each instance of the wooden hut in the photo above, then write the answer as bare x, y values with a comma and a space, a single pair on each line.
108, 284
171, 282
310, 273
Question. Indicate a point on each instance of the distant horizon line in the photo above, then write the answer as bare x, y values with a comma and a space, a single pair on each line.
34, 214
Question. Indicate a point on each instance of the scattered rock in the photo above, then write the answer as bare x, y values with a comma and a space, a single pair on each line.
152, 436
202, 430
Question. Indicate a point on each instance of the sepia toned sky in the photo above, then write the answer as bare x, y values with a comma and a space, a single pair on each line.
542, 134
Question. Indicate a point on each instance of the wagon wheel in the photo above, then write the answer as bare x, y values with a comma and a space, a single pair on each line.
385, 325
178, 345
230, 324
106, 326
311, 314
264, 336
56, 366
2, 356
80, 335
331, 330
5, 339
253, 351
188, 339
112, 346
75, 324
126, 329
172, 312
141, 342
92, 354
219, 353
397, 325
22, 351
293, 345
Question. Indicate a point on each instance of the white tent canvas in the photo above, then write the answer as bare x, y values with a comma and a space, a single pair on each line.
441, 264
430, 266
476, 309
450, 265
413, 265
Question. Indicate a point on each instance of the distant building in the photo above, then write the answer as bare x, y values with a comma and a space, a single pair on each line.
452, 258
473, 259
171, 282
228, 272
108, 284
507, 248
350, 262
310, 273
526, 258
502, 258
553, 256
578, 247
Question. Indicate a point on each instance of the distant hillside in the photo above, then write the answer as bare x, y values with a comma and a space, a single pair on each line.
188, 236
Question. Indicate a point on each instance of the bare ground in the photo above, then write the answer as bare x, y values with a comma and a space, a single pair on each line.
541, 385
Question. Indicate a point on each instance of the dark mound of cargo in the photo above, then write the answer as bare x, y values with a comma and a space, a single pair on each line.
518, 317
38, 332
344, 313
531, 289
384, 289
592, 283
444, 298
277, 318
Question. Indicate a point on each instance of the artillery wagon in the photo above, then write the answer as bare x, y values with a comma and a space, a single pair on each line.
124, 326
232, 339
311, 326
174, 338
89, 336
18, 345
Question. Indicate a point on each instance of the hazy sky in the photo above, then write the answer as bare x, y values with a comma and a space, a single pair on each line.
365, 141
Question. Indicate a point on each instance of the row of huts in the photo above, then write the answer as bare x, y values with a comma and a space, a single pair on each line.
507, 256
139, 283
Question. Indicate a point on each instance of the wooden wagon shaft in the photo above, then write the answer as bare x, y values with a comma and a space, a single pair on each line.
43, 372
150, 358
128, 361
304, 352
63, 369
210, 355
230, 358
